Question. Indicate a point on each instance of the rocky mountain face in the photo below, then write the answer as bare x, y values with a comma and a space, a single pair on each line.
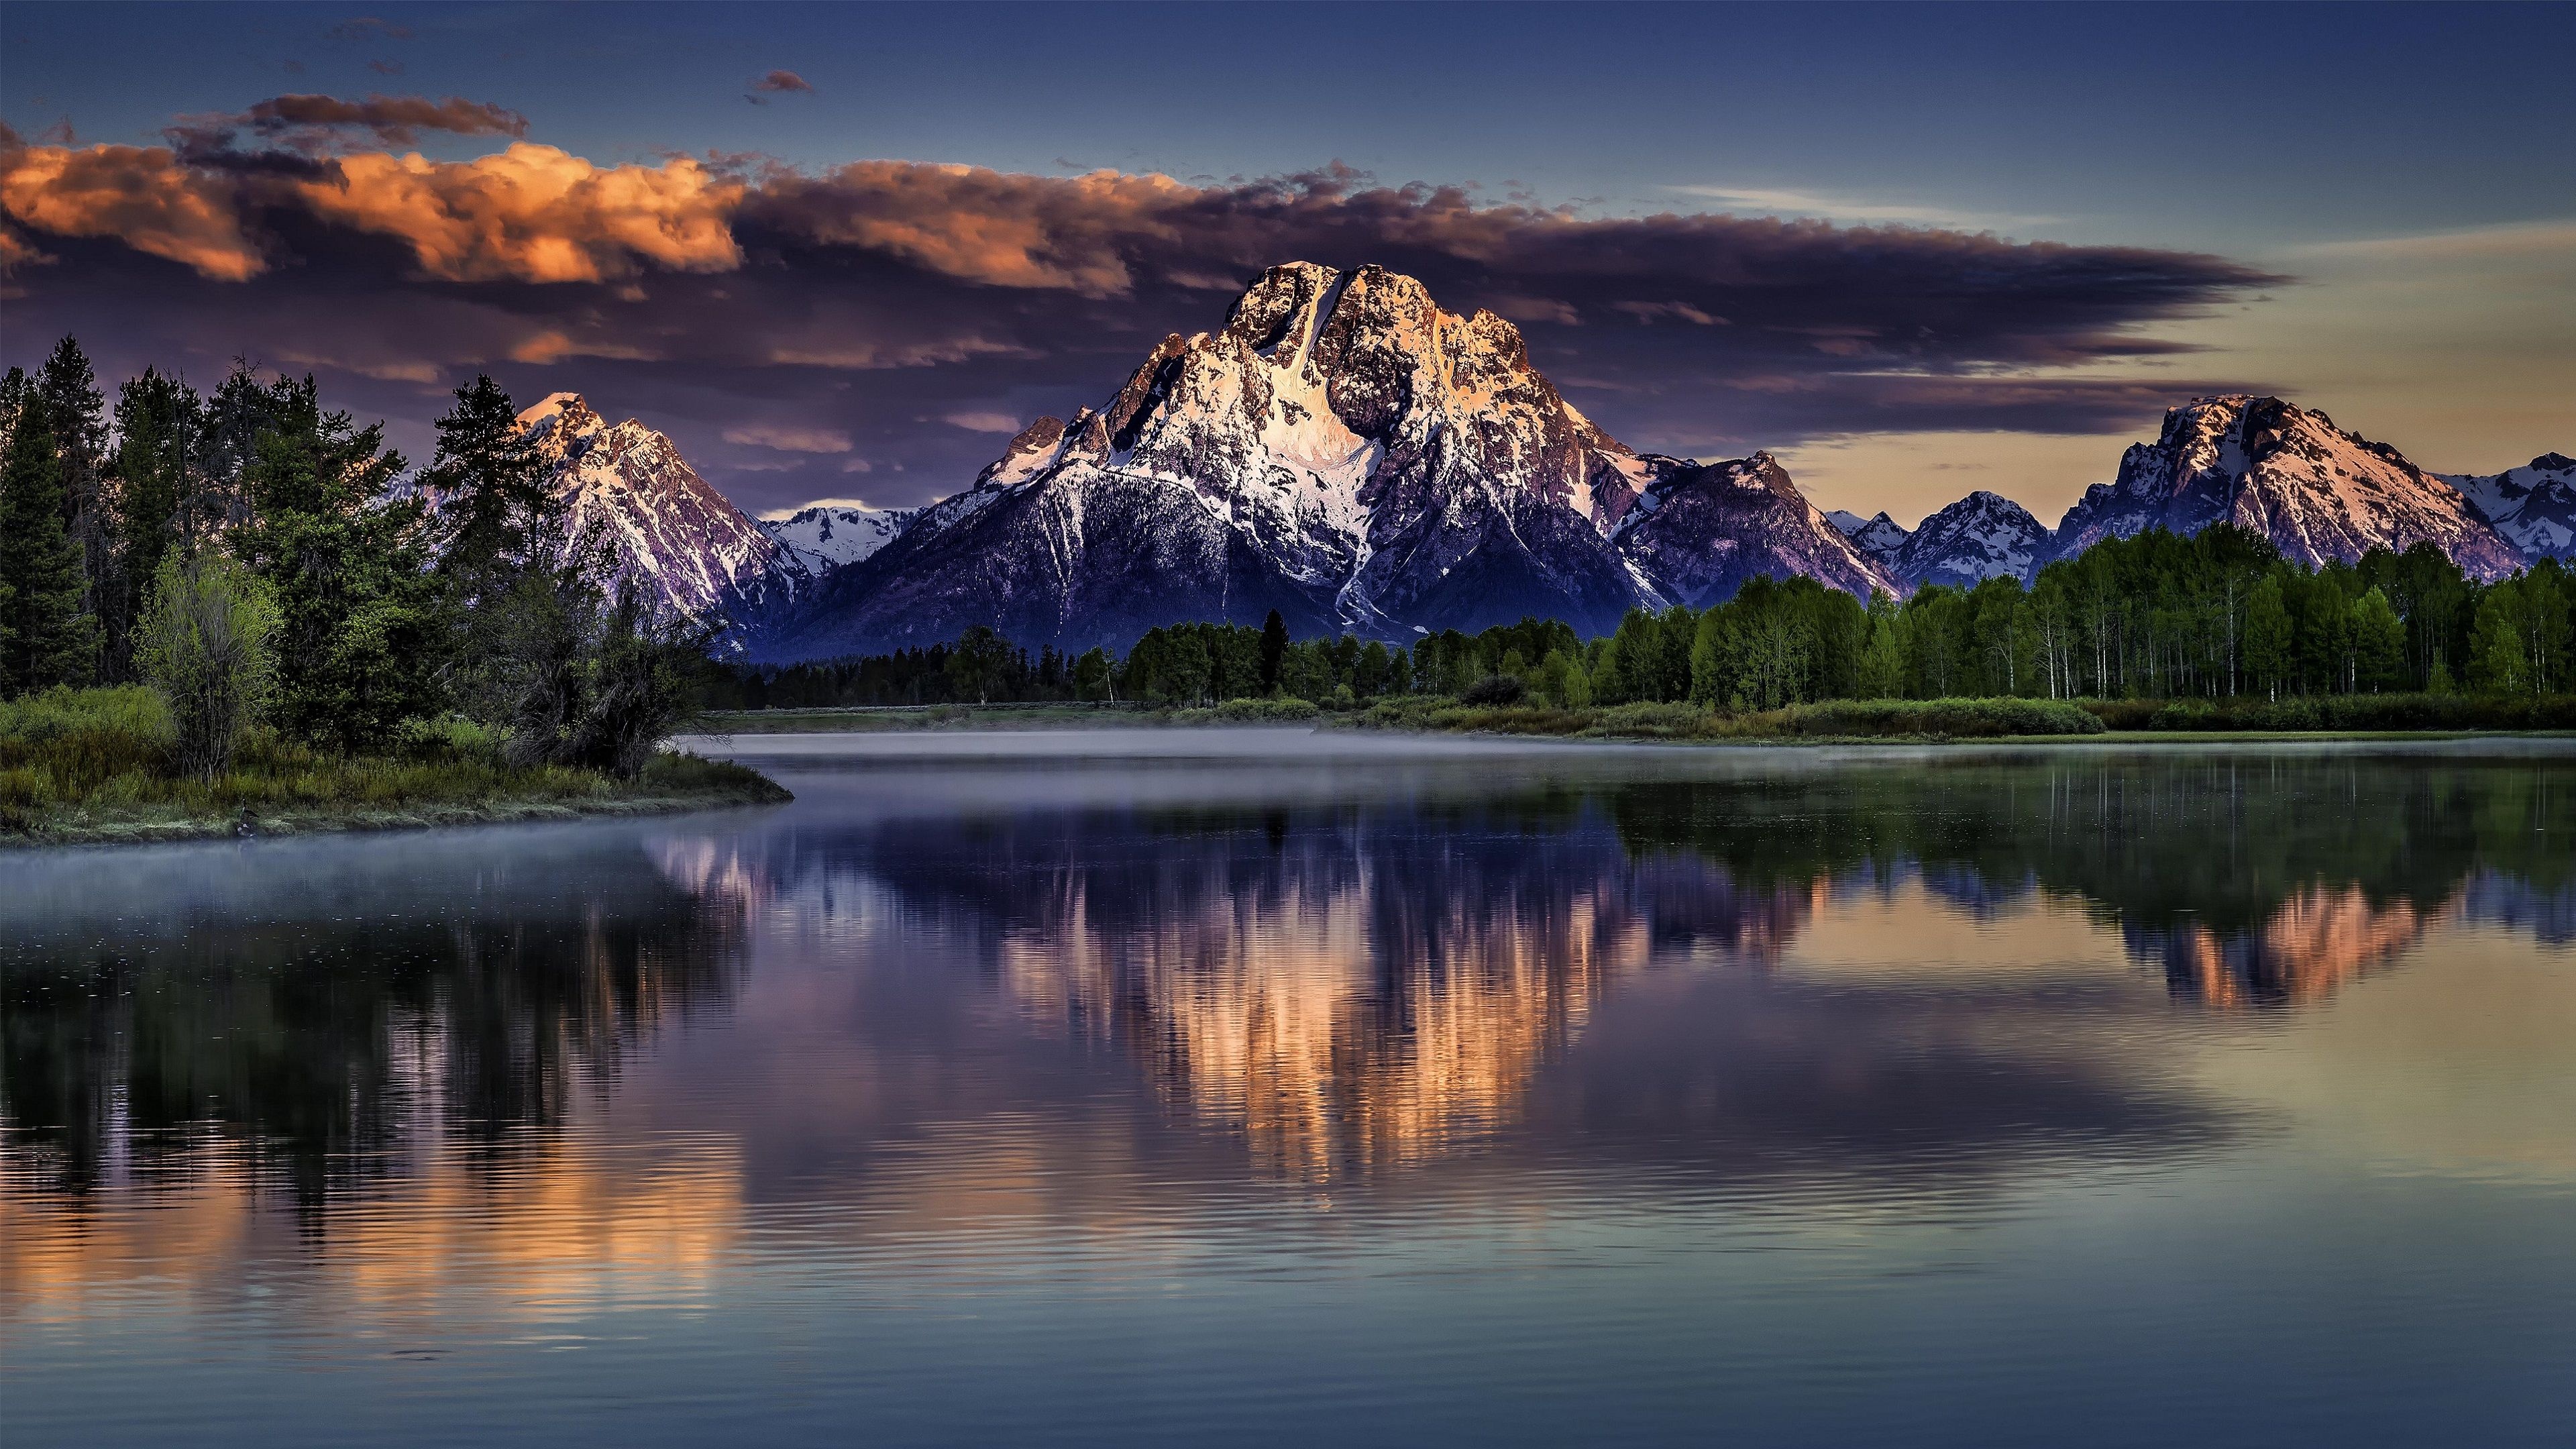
1697, 533
2534, 506
671, 531
1982, 536
1341, 450
1879, 537
2318, 492
823, 537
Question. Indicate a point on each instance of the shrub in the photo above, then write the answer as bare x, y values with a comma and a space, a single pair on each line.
204, 643
1495, 690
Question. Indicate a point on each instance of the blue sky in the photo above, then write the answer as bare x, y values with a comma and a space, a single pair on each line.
2409, 166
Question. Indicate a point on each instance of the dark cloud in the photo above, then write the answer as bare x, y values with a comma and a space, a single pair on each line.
780, 82
708, 296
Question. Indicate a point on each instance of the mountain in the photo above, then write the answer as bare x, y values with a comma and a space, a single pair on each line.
823, 537
1879, 537
670, 530
1982, 536
1698, 533
2290, 474
1342, 450
2534, 506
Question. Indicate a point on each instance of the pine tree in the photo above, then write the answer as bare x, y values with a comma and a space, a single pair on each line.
45, 638
1274, 651
159, 420
495, 495
76, 411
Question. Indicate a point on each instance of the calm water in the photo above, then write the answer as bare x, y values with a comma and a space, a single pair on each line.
1266, 1087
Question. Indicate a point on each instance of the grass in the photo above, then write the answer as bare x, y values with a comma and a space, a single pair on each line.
1066, 715
95, 765
1831, 720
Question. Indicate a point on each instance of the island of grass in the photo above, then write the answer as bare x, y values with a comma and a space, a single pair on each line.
1496, 707
99, 766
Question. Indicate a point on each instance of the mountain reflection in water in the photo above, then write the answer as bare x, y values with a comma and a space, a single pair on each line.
1108, 1001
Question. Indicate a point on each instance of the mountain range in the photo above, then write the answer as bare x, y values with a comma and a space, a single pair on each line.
1343, 450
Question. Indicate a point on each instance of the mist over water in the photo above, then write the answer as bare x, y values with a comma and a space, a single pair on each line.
1278, 1086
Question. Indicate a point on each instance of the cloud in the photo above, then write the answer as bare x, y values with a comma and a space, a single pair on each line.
314, 124
789, 439
1764, 201
723, 287
534, 214
780, 82
139, 195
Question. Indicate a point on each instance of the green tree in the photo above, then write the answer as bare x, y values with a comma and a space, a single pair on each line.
2268, 646
1274, 651
159, 427
76, 412
359, 644
1093, 677
2379, 643
976, 663
203, 642
45, 638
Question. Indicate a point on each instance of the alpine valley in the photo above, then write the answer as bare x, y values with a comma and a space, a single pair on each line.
1345, 451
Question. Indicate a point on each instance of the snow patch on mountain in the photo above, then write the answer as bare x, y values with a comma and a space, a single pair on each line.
2534, 505
823, 537
671, 532
2319, 493
1982, 536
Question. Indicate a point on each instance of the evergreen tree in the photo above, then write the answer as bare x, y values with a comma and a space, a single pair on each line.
159, 422
1274, 651
45, 637
2268, 651
497, 507
359, 645
76, 411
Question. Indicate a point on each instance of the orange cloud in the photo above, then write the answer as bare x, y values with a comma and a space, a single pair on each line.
535, 214
980, 225
140, 195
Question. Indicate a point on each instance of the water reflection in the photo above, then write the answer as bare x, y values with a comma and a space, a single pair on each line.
969, 1041
305, 1020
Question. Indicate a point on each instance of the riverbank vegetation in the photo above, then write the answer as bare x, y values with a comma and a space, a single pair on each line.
244, 614
2215, 631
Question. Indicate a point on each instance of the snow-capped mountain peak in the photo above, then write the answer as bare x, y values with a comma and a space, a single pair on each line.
670, 530
1344, 450
2288, 473
1879, 537
823, 537
1982, 536
2534, 505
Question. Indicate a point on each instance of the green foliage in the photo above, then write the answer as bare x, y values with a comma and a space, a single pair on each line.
46, 637
976, 663
204, 642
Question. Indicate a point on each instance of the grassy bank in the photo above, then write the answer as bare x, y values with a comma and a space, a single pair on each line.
888, 718
1831, 720
95, 765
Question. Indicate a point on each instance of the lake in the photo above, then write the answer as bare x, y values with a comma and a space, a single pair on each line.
1265, 1086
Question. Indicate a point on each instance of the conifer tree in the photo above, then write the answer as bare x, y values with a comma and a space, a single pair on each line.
45, 638
67, 389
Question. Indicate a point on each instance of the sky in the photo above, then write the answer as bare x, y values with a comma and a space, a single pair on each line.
843, 252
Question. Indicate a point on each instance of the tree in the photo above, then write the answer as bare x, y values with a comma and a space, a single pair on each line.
2379, 643
67, 390
2268, 652
159, 428
1093, 678
1274, 651
493, 490
976, 663
203, 642
45, 637
359, 644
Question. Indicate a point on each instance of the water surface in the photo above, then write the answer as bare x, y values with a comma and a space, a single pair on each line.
1270, 1087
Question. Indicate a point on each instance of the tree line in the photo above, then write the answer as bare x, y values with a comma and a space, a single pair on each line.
258, 557
2217, 615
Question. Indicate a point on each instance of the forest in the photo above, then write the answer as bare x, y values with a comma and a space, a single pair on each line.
2218, 617
245, 599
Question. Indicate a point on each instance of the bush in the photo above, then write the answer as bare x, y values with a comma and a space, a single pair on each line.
1495, 690
1954, 718
2359, 712
204, 643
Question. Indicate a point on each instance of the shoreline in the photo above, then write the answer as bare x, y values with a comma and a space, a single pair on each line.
78, 826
